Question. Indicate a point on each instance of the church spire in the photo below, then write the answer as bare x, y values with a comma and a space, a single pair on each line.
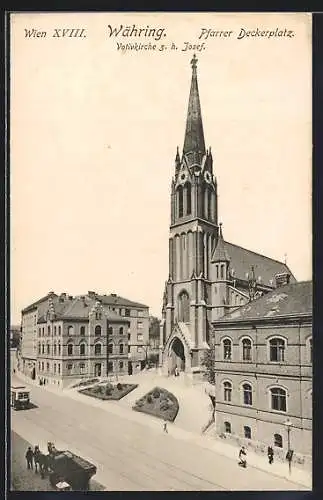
220, 253
194, 135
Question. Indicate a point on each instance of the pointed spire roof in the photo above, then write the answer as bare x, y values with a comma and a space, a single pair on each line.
194, 135
220, 253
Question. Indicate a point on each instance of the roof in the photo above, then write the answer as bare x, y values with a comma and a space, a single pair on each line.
35, 304
115, 300
220, 252
291, 299
194, 135
79, 308
242, 260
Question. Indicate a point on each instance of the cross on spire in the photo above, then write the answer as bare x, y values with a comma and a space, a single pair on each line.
194, 61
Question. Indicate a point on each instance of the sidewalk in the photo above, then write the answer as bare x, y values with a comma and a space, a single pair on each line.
280, 469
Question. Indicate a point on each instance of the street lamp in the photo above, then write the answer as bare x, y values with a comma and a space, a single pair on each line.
288, 424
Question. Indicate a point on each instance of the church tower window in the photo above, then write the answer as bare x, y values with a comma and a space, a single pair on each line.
188, 199
180, 201
183, 307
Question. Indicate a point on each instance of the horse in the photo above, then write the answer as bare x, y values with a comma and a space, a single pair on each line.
40, 460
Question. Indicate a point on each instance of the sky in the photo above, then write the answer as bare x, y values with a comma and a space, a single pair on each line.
94, 133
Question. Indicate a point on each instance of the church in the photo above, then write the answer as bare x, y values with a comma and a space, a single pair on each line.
208, 276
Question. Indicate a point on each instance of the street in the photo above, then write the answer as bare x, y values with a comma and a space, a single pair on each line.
131, 456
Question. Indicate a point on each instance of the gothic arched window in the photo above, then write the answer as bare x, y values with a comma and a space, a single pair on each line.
97, 331
183, 303
180, 201
188, 199
97, 349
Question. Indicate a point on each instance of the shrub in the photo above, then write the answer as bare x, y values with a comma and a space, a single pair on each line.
164, 406
119, 386
156, 393
149, 399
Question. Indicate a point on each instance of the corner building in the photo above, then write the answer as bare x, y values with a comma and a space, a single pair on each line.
207, 275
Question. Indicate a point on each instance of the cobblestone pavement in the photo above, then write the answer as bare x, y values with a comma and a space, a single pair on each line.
23, 479
131, 451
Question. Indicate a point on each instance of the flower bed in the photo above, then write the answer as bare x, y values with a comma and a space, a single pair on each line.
85, 382
109, 391
159, 403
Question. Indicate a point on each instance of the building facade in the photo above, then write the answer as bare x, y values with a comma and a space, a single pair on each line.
263, 365
81, 337
208, 276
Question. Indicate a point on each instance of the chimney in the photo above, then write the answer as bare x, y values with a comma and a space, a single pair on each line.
282, 279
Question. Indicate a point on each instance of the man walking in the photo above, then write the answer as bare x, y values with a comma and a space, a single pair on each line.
270, 453
29, 457
165, 427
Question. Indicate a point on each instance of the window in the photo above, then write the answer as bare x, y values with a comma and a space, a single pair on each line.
55, 368
82, 349
278, 440
70, 349
55, 330
110, 366
121, 348
43, 331
140, 325
82, 368
227, 349
227, 427
59, 367
55, 349
110, 330
310, 350
59, 349
48, 330
140, 337
278, 399
188, 199
69, 367
247, 394
183, 307
140, 313
127, 312
39, 332
47, 367
110, 348
48, 349
247, 432
82, 331
128, 348
121, 330
246, 350
277, 350
70, 330
180, 201
227, 386
121, 365
42, 365
39, 348
98, 315
59, 330
139, 349
97, 331
39, 366
97, 349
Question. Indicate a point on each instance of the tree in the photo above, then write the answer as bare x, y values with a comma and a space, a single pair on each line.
209, 363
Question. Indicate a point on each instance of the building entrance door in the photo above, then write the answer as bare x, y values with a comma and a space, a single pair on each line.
97, 369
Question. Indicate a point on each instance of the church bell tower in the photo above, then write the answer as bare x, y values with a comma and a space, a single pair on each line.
192, 236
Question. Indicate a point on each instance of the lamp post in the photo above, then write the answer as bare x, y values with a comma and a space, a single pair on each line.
288, 424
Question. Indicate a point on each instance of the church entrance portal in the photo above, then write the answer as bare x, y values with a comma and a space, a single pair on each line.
176, 356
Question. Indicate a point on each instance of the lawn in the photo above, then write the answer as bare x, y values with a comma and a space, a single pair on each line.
109, 391
159, 403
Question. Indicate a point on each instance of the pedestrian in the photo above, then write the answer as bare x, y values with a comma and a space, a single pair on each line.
243, 457
270, 453
165, 427
36, 458
29, 457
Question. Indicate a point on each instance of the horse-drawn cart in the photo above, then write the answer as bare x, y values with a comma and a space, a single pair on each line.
67, 469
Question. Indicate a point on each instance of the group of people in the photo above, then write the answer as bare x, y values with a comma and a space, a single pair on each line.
243, 456
35, 457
